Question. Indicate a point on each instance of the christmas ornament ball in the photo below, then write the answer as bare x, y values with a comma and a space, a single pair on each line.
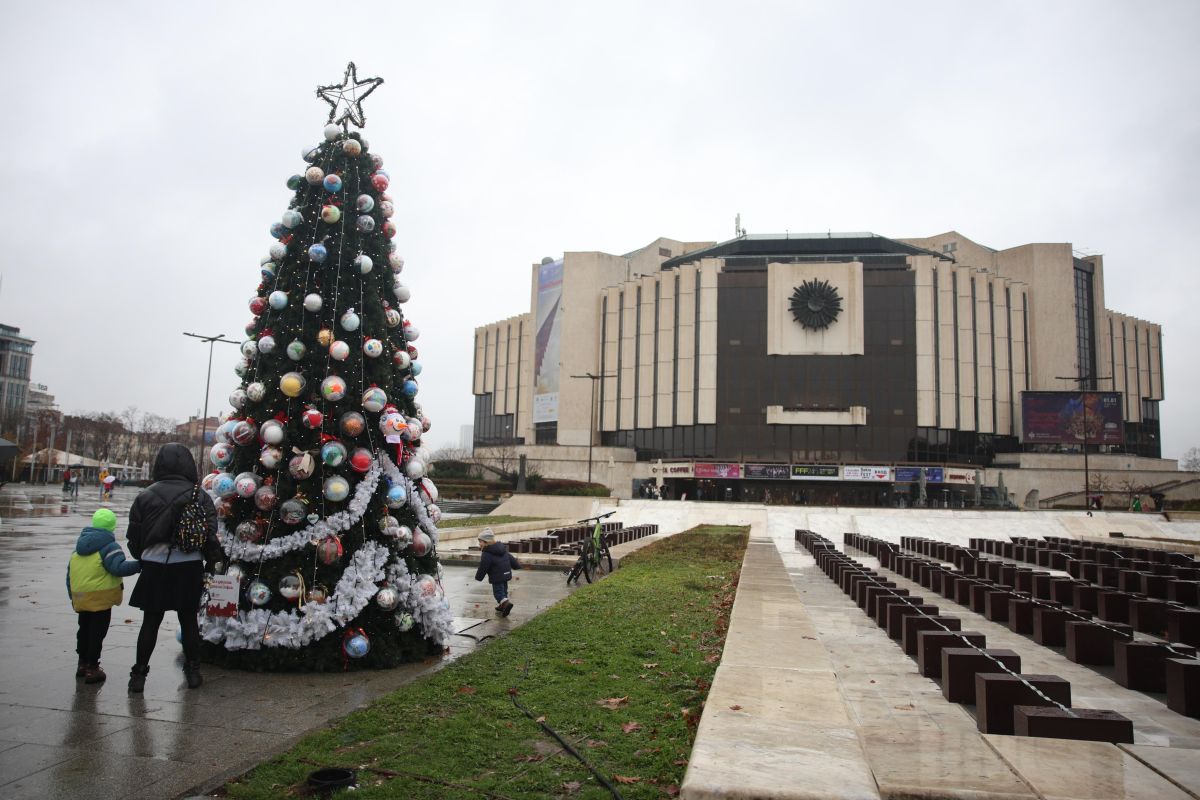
295, 182
336, 488
272, 432
330, 214
266, 344
392, 317
317, 594
256, 391
396, 497
310, 154
352, 424
364, 203
409, 388
249, 348
350, 321
435, 513
339, 351
329, 550
270, 456
311, 418
411, 332
416, 368
401, 359
426, 584
405, 622
431, 491
352, 148
388, 523
296, 350
301, 467
317, 253
268, 270
387, 598
364, 223
238, 398
374, 399
223, 431
259, 593
235, 571
249, 531
278, 251
292, 218
360, 459
246, 484
312, 302
420, 546
332, 183
221, 455
332, 132
373, 348
389, 229
333, 454
379, 181
314, 175
377, 161
402, 293
292, 511
290, 587
415, 469
357, 645
292, 384
324, 337
223, 485
404, 536
243, 433
277, 300
387, 209
265, 498
278, 230
364, 263
333, 388
396, 262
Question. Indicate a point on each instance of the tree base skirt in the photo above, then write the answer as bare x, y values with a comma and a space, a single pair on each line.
324, 656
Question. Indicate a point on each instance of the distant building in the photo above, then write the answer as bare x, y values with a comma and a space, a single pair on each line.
190, 431
39, 400
828, 368
466, 434
16, 357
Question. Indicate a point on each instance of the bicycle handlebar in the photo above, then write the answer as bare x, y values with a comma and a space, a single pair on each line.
589, 519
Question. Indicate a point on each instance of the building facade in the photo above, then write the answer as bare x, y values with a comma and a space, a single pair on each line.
16, 362
828, 367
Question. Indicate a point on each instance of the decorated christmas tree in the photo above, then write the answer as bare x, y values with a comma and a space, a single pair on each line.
325, 515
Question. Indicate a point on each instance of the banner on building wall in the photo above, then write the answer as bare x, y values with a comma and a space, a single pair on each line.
718, 471
961, 477
1072, 418
866, 473
681, 469
913, 474
546, 345
816, 472
773, 472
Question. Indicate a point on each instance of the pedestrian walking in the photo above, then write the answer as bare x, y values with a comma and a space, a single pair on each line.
497, 564
173, 531
94, 585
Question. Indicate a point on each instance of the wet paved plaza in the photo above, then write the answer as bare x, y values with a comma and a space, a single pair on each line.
60, 738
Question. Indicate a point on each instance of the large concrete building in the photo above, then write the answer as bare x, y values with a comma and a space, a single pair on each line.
847, 368
16, 359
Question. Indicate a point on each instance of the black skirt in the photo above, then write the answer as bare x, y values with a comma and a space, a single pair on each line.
169, 587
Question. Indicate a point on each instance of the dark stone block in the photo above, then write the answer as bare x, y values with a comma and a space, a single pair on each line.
998, 693
1050, 625
1143, 665
1130, 580
1183, 686
1183, 625
1108, 577
1186, 592
962, 590
1148, 616
1020, 613
1023, 581
1155, 586
1085, 597
1044, 557
960, 664
898, 611
1043, 588
995, 605
1090, 643
1008, 574
1063, 590
1084, 724
885, 601
931, 643
914, 624
979, 593
1114, 606
873, 593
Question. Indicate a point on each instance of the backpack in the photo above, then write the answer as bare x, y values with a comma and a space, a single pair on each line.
191, 528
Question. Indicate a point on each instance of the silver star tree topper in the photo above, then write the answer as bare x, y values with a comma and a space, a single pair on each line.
345, 100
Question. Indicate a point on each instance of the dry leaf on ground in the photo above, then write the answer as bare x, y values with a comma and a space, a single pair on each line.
613, 702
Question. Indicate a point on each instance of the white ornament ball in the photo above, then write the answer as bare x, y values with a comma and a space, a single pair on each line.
289, 587
249, 348
426, 584
272, 432
415, 468
277, 300
435, 513
373, 348
350, 321
314, 175
411, 332
364, 263
401, 359
292, 218
312, 302
392, 317
277, 250
332, 132
352, 147
256, 391
387, 598
266, 344
339, 351
403, 293
430, 490
396, 262
238, 398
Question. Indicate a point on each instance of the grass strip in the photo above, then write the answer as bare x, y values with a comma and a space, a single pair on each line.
484, 521
620, 669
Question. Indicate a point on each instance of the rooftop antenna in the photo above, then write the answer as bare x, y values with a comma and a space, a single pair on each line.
738, 230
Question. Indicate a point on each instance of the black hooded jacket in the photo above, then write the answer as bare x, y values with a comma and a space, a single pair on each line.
496, 563
154, 512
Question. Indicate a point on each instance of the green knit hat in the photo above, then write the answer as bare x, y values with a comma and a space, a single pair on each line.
105, 519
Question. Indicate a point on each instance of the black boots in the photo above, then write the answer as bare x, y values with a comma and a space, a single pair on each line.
137, 678
191, 671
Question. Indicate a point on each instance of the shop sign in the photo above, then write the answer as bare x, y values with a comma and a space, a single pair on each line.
774, 472
960, 476
815, 472
913, 474
850, 473
718, 471
677, 470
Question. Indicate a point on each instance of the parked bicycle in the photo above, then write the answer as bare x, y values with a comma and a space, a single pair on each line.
595, 559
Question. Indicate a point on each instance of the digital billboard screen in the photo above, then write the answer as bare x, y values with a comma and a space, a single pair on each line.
1061, 417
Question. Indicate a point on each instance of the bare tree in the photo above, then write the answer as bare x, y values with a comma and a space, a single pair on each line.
1191, 460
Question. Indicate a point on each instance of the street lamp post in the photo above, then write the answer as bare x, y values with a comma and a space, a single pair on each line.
1087, 504
592, 415
220, 337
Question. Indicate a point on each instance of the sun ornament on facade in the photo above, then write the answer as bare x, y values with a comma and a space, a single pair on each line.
815, 304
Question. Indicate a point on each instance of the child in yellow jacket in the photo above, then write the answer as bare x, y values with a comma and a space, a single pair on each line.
94, 585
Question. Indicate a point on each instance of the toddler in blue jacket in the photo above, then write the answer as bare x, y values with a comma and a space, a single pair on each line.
94, 585
497, 564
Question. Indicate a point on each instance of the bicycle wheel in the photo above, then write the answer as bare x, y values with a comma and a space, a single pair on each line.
604, 563
574, 571
589, 561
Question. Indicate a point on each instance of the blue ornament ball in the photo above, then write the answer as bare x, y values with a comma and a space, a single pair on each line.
396, 497
278, 230
278, 300
357, 646
333, 183
317, 253
416, 368
410, 389
295, 182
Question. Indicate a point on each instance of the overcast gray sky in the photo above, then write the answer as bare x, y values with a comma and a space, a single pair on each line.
148, 149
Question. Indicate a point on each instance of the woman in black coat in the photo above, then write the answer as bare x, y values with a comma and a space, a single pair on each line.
171, 579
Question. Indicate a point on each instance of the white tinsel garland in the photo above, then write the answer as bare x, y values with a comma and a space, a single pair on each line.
431, 612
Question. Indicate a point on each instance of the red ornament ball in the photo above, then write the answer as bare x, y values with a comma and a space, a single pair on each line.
360, 460
312, 418
380, 182
258, 305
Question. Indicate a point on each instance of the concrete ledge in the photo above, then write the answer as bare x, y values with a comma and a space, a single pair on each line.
539, 526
